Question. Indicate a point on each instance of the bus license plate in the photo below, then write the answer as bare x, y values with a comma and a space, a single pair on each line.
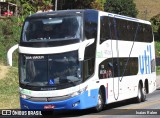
49, 106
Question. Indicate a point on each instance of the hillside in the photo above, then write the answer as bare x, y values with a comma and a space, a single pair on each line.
9, 95
3, 71
148, 7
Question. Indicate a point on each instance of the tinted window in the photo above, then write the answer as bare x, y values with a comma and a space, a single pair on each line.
90, 29
50, 70
104, 29
88, 68
118, 29
52, 29
90, 32
111, 68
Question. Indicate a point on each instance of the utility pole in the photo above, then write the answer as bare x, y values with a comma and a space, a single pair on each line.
145, 13
55, 5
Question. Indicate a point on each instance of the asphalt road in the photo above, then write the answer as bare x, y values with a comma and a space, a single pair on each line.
129, 108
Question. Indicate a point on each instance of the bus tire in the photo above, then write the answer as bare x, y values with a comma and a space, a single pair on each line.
100, 104
141, 97
143, 94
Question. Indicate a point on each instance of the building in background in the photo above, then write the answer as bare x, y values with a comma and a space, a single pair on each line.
7, 8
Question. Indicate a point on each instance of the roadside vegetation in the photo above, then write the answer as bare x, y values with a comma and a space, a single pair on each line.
158, 70
157, 46
9, 87
10, 29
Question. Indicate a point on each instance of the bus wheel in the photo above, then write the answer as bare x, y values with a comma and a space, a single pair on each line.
141, 97
143, 94
100, 103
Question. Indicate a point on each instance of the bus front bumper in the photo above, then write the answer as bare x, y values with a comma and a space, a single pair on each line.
82, 101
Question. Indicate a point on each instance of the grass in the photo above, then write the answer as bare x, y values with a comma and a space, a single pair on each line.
9, 95
147, 8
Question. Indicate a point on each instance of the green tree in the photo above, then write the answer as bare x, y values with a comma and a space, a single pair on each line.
10, 30
155, 20
80, 4
13, 1
32, 6
122, 7
98, 4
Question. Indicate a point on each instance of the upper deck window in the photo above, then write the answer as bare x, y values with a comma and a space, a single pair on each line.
52, 29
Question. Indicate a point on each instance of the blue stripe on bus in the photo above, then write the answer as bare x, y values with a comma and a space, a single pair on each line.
85, 102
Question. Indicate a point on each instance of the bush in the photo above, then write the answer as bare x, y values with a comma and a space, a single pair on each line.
155, 20
9, 35
158, 31
122, 7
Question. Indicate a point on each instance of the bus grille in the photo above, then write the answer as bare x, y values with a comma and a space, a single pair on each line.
49, 99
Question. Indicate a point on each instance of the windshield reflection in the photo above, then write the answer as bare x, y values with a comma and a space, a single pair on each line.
50, 70
52, 29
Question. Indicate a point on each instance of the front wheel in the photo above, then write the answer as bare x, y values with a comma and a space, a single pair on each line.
100, 104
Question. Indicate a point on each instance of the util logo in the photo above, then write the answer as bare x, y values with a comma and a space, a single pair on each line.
145, 61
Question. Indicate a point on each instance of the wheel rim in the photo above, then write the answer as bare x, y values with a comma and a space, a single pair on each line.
144, 94
139, 93
144, 91
99, 101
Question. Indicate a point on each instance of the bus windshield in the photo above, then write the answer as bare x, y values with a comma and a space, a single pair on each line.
51, 29
50, 70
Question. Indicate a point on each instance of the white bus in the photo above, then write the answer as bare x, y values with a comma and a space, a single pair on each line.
79, 59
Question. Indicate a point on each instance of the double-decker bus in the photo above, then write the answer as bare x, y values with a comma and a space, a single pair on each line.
79, 59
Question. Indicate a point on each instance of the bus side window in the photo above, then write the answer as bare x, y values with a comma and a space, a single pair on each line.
139, 33
91, 23
106, 69
88, 68
104, 30
148, 33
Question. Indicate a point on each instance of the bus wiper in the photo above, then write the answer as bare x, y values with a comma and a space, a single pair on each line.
34, 83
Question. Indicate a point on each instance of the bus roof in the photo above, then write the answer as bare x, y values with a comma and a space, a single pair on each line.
127, 18
65, 12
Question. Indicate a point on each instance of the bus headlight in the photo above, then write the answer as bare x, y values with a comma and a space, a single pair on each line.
25, 96
78, 92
